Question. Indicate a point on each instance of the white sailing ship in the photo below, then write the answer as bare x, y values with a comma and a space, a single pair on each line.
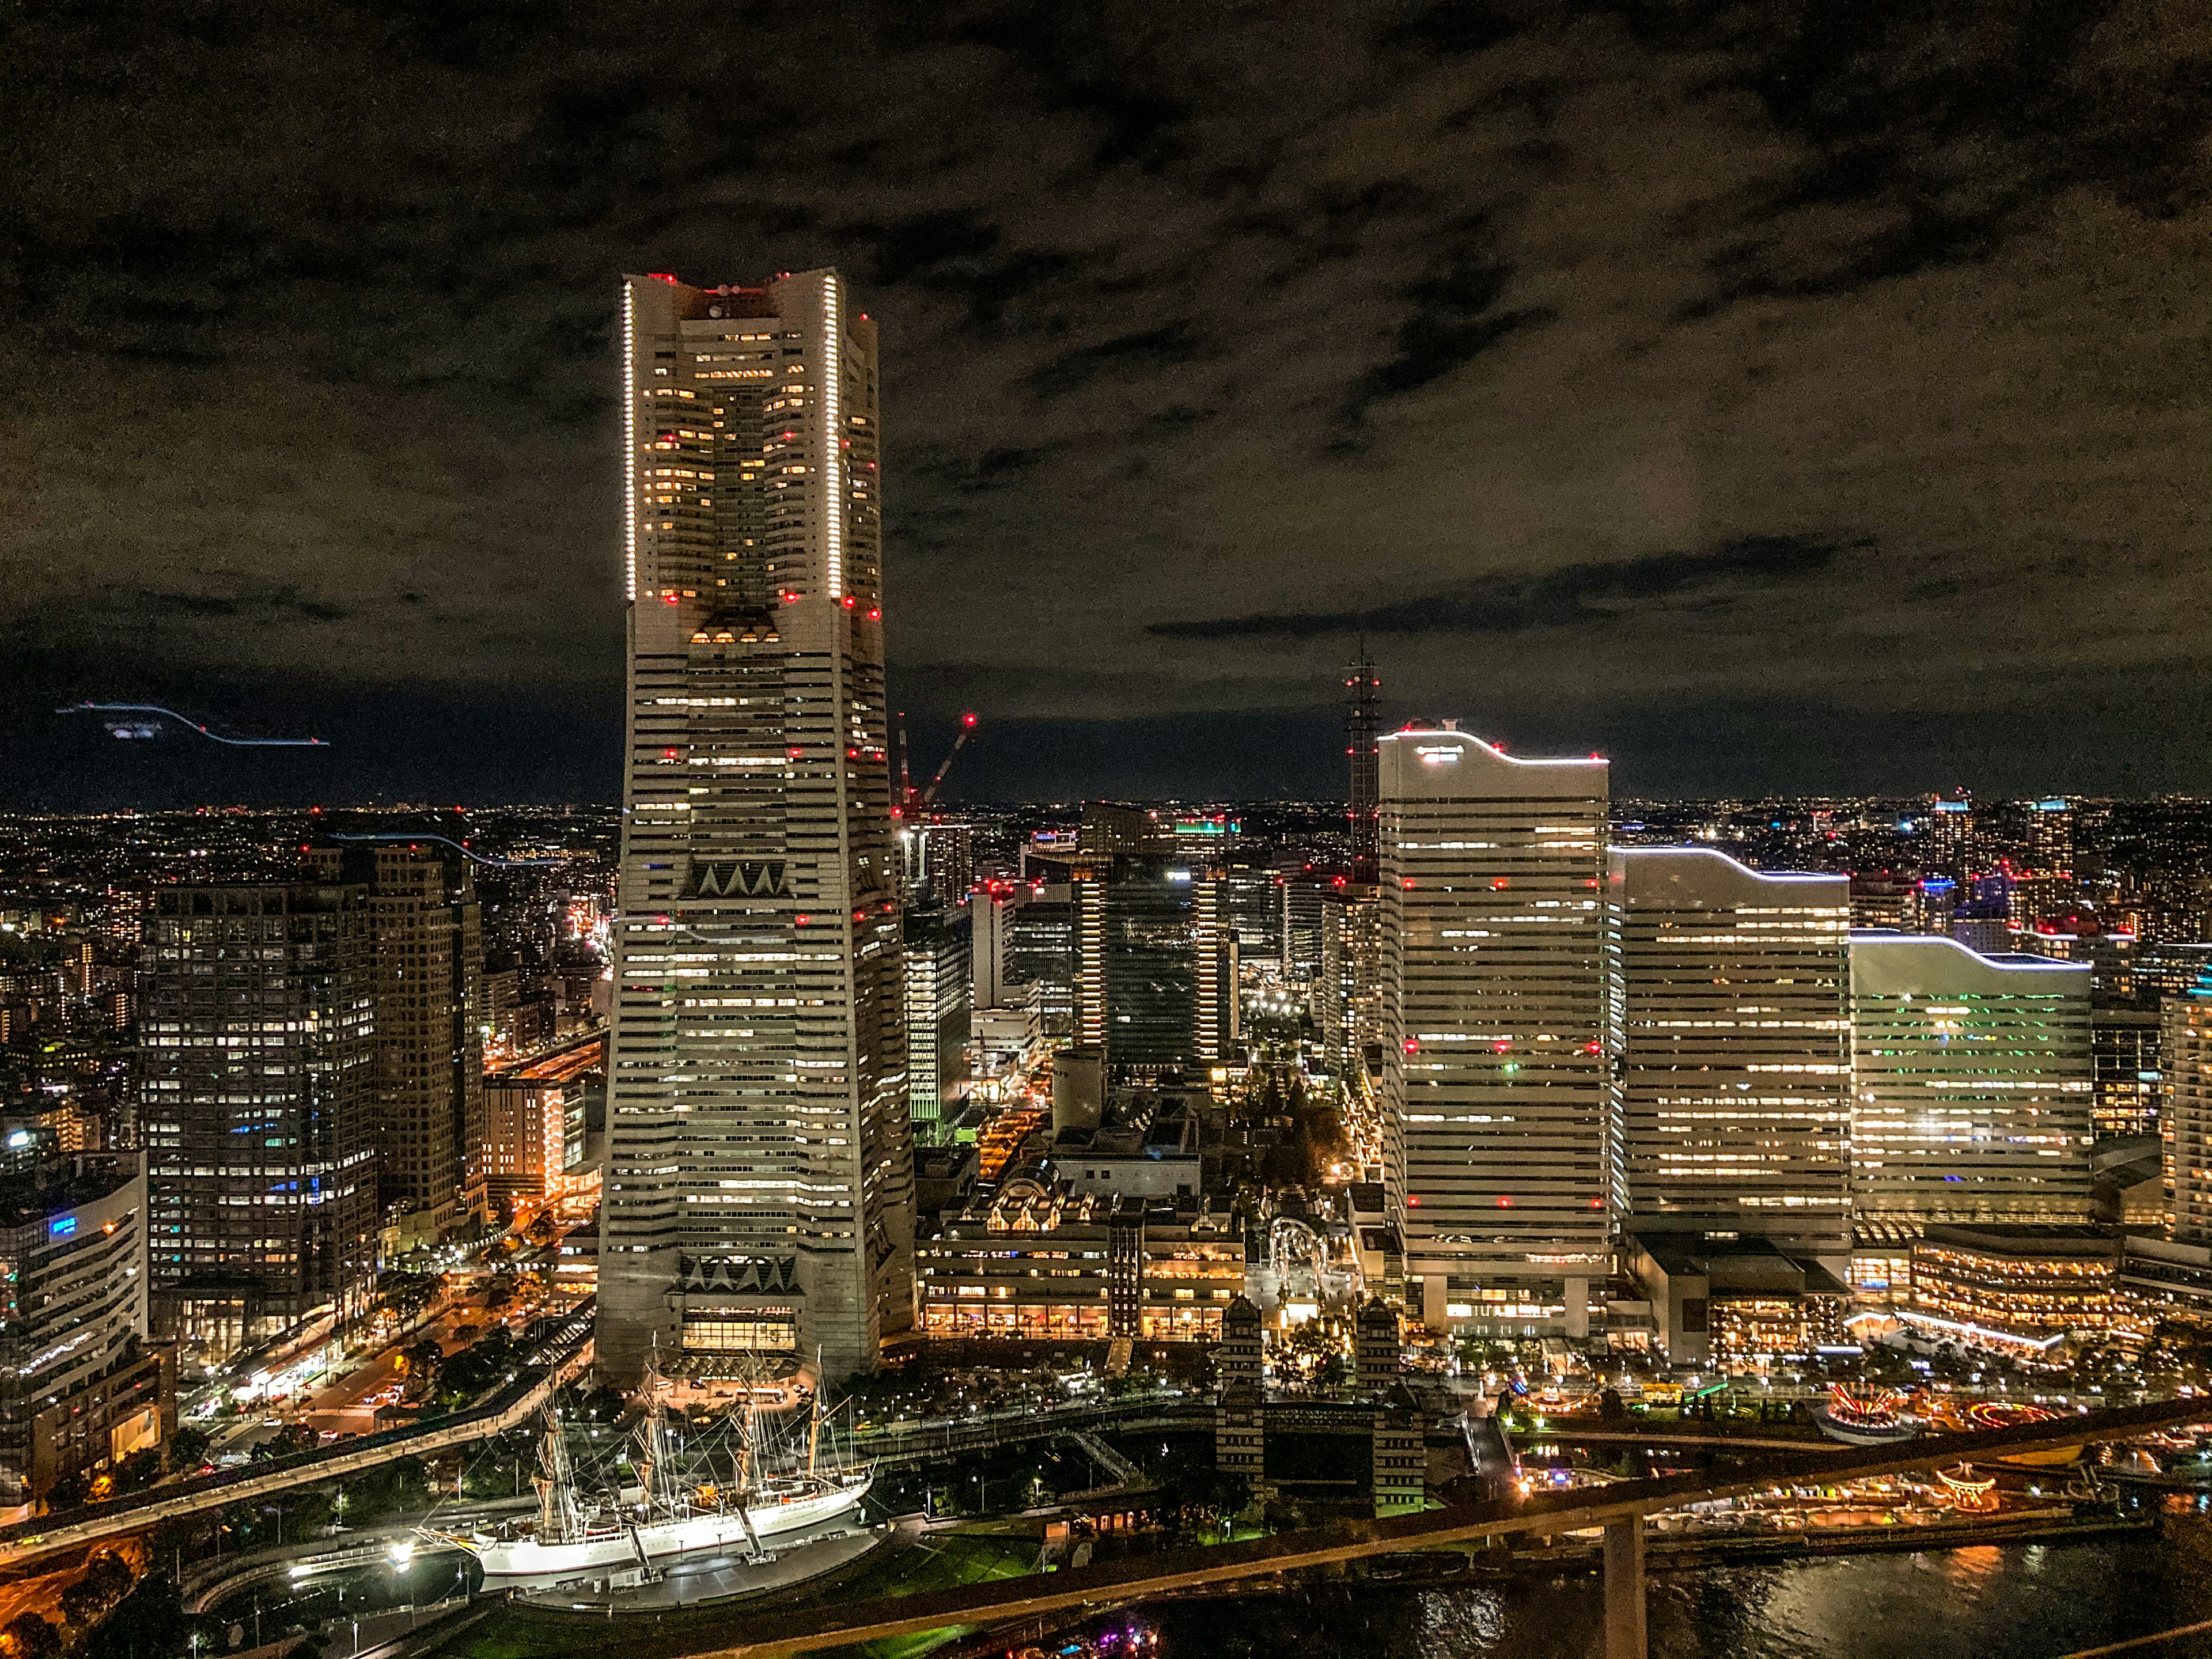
667, 1518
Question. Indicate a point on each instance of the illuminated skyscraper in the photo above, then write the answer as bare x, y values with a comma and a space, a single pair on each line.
1731, 1047
256, 1056
1971, 1078
1155, 963
1498, 1155
2048, 891
2185, 1072
759, 1194
939, 994
427, 1086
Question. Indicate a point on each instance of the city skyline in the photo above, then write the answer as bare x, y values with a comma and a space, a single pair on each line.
1106, 826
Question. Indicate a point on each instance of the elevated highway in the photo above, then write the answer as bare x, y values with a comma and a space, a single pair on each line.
564, 1356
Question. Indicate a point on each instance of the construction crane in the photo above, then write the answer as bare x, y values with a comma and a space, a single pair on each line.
912, 802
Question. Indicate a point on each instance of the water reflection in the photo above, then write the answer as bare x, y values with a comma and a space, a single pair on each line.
2023, 1602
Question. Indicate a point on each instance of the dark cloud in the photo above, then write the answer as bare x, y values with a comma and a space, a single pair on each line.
1209, 334
1576, 595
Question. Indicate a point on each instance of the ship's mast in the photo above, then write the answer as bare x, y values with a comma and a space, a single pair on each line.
560, 1519
814, 1433
652, 1439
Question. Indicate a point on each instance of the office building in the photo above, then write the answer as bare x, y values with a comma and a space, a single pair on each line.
2124, 1042
759, 1186
939, 970
1730, 1036
537, 1126
1973, 1085
2012, 1288
81, 1389
1040, 1259
1499, 1156
1111, 829
1736, 1305
428, 1110
1155, 964
2185, 1097
1300, 899
257, 1062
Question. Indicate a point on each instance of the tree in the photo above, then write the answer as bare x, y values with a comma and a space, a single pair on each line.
29, 1636
421, 1365
105, 1582
1609, 1407
188, 1446
151, 1619
67, 1492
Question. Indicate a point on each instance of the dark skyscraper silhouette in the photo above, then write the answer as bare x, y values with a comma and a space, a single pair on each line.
1360, 686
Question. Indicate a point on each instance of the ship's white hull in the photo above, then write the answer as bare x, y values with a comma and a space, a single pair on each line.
609, 1549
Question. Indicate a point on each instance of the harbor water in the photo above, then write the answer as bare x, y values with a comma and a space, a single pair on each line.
2030, 1601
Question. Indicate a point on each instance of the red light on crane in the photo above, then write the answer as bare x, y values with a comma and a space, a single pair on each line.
967, 720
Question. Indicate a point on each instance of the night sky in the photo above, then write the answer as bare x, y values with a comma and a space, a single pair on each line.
1773, 397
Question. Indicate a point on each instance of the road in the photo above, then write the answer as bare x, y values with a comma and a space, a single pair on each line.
349, 1405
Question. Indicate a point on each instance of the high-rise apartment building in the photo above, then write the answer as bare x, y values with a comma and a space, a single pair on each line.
940, 973
1347, 995
2047, 891
1972, 1083
1729, 1036
759, 1192
939, 861
256, 1056
428, 1110
1498, 1154
2186, 1080
1949, 828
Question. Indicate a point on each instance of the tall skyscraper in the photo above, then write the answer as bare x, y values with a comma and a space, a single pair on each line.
2048, 891
940, 980
426, 945
759, 1195
1361, 757
1347, 993
2185, 1073
1731, 1047
1498, 1156
256, 1053
1971, 1081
